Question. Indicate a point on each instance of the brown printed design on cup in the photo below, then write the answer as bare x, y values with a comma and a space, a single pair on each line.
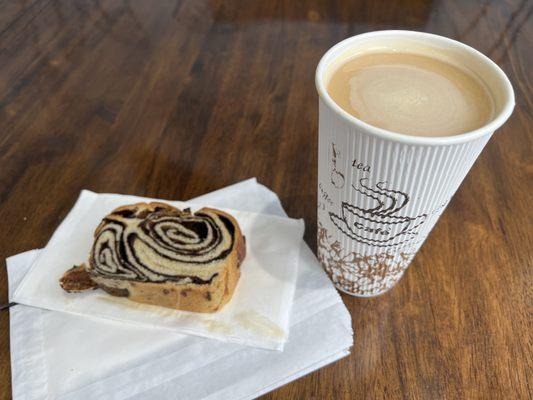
359, 165
366, 275
336, 177
324, 198
378, 226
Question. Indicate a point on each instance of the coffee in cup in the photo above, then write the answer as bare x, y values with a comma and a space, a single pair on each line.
411, 94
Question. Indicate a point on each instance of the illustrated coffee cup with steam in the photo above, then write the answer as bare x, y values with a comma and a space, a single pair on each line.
378, 225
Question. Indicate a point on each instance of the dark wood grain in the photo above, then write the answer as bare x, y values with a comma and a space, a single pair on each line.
173, 99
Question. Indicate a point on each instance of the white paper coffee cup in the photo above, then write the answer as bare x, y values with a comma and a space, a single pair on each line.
379, 192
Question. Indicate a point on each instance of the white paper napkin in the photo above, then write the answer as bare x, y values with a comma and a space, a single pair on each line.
58, 355
257, 315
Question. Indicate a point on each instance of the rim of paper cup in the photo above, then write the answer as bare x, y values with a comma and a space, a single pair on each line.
486, 129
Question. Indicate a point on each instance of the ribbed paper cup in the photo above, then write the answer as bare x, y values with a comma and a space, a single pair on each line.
380, 193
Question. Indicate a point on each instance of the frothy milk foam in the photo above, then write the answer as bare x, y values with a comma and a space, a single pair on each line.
411, 93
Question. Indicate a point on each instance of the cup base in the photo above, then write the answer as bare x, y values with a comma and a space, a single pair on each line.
340, 289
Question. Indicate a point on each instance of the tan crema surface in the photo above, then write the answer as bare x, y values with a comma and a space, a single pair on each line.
411, 94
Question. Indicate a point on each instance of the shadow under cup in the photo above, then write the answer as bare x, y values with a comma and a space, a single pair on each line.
379, 192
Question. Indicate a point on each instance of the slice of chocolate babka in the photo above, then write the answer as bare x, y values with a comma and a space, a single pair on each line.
157, 254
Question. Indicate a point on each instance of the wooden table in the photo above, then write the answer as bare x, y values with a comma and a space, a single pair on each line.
173, 99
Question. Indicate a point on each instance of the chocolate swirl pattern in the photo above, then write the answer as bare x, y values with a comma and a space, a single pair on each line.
157, 254
163, 245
